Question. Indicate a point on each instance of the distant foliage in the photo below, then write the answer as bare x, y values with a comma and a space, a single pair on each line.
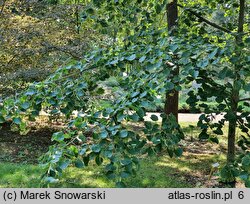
141, 56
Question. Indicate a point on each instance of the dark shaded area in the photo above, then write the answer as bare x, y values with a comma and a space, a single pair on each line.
24, 148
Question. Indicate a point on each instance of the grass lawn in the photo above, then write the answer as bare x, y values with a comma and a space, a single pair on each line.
190, 170
157, 172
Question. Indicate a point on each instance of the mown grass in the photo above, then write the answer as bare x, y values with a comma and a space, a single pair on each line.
160, 171
190, 170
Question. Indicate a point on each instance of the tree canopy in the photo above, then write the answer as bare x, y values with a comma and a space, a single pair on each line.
209, 45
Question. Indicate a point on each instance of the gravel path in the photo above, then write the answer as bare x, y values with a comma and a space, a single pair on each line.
183, 117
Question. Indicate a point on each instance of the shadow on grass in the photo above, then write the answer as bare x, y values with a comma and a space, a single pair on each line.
155, 172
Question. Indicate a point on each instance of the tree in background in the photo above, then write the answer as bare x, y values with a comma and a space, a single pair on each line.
38, 36
172, 100
141, 57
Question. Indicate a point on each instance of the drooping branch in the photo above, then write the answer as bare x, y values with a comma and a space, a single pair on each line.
64, 49
205, 20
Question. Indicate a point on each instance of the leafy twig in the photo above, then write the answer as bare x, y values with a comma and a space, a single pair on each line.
205, 20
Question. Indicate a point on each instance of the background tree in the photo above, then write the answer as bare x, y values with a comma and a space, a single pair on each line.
38, 36
141, 57
172, 100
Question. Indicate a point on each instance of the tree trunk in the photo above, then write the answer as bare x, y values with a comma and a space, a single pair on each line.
232, 128
235, 96
172, 99
235, 92
172, 15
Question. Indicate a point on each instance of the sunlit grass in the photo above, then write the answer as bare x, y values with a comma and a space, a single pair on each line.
157, 171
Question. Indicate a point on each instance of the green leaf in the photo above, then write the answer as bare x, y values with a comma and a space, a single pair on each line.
79, 93
98, 160
110, 175
145, 104
110, 167
170, 152
143, 94
108, 153
123, 134
17, 121
214, 139
83, 150
30, 92
103, 23
247, 183
25, 105
246, 162
79, 163
120, 116
194, 73
86, 160
150, 151
203, 135
64, 164
154, 117
125, 174
114, 62
169, 86
140, 112
120, 185
158, 8
178, 152
58, 136
134, 117
2, 120
247, 87
50, 180
227, 173
142, 59
104, 134
100, 91
204, 63
148, 125
96, 148
126, 162
226, 72
218, 131
136, 93
212, 54
90, 11
247, 40
131, 58
173, 47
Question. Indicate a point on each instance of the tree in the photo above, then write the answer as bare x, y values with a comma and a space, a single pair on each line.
36, 37
227, 94
172, 100
213, 56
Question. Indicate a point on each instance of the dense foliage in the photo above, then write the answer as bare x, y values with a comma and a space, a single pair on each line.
141, 58
36, 37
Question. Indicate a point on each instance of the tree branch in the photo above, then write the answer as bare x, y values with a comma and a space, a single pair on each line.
66, 50
1, 12
205, 20
245, 99
89, 67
